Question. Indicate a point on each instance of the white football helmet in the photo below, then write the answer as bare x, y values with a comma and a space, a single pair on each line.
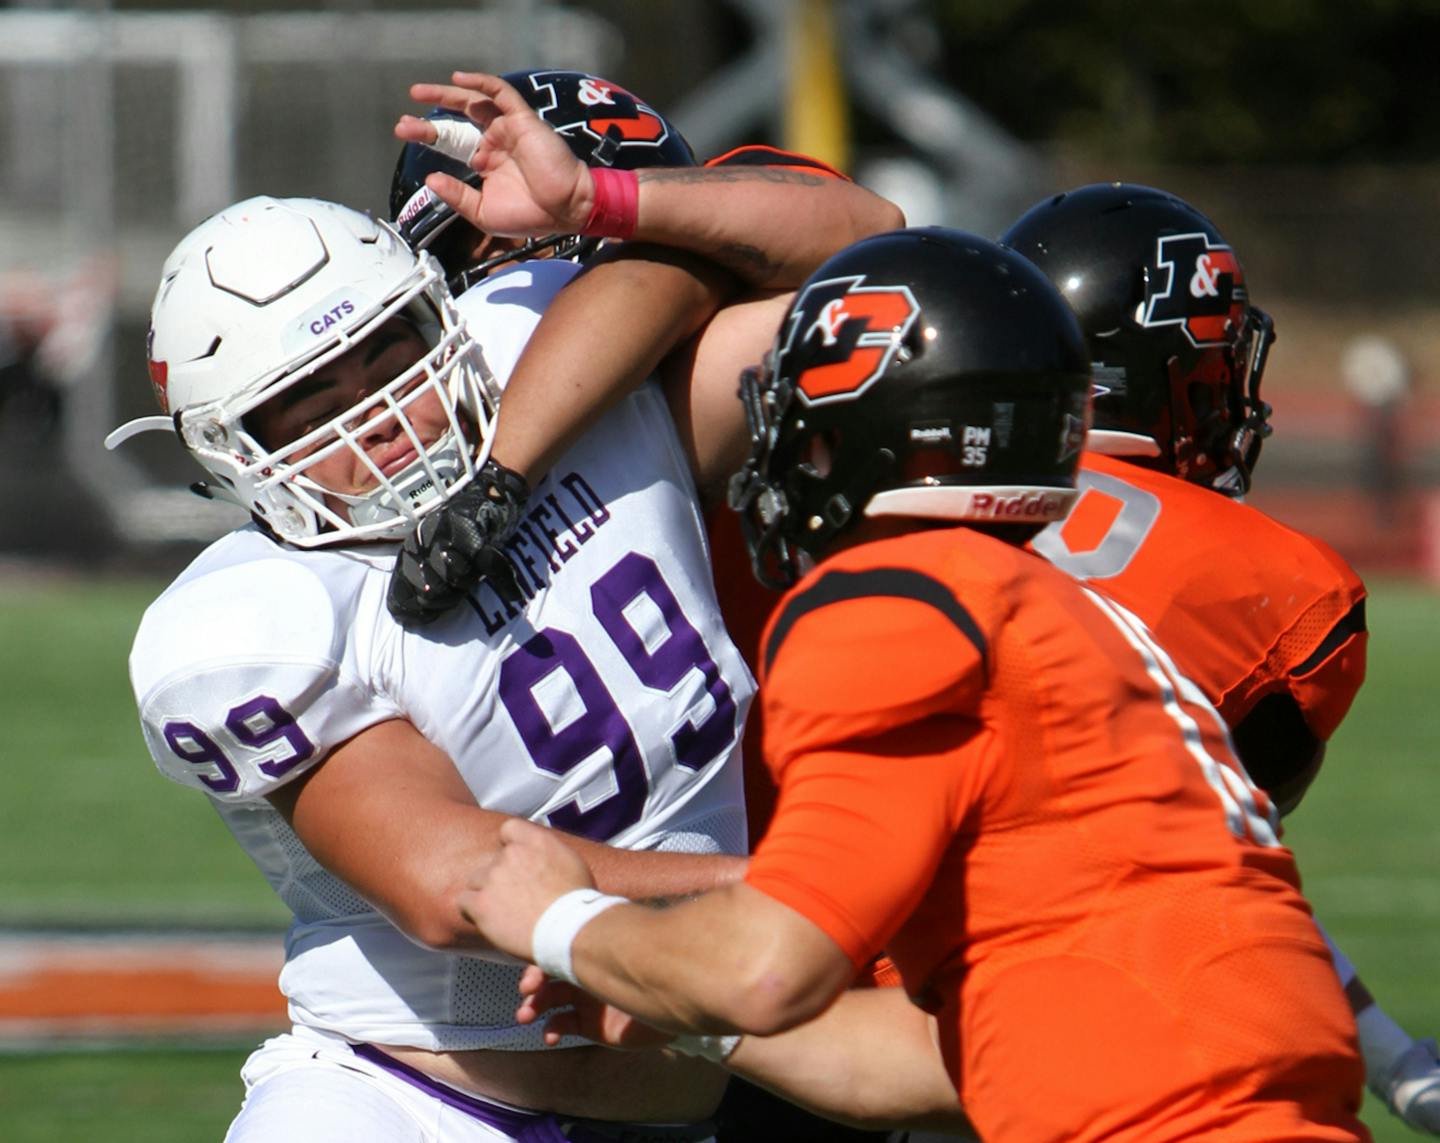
260, 297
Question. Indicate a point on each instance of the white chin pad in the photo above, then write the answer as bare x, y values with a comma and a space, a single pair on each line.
413, 486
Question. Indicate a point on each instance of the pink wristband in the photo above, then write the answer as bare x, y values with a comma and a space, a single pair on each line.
617, 204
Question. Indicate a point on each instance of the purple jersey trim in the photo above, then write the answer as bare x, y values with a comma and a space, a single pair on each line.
534, 1126
527, 1126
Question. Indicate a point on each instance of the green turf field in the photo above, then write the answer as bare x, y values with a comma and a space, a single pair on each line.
161, 1096
93, 834
92, 831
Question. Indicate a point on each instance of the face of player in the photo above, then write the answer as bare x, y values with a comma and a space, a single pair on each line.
325, 396
489, 245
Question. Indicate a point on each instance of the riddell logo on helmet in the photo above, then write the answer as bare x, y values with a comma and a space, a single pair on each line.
843, 336
416, 203
1018, 506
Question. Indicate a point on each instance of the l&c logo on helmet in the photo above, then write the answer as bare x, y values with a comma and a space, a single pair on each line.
595, 106
1197, 286
844, 335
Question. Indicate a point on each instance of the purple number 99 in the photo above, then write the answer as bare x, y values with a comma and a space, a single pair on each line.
561, 750
258, 723
261, 722
601, 723
669, 663
191, 744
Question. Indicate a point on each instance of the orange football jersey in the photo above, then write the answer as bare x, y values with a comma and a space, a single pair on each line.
998, 776
1247, 605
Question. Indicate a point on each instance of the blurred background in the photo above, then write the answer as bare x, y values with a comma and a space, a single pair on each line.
1306, 129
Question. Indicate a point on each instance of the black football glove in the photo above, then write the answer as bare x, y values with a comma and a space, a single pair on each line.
458, 545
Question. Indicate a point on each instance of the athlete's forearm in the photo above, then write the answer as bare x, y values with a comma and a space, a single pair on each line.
769, 226
731, 961
870, 1060
600, 338
608, 330
357, 813
656, 878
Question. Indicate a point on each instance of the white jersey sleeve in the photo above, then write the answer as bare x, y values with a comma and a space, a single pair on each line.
237, 671
501, 311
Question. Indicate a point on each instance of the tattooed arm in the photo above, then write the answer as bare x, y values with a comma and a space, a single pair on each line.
700, 234
768, 226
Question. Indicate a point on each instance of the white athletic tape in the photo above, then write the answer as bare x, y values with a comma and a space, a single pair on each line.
456, 138
716, 1049
558, 925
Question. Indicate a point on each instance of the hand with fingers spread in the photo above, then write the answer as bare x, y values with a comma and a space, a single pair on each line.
532, 182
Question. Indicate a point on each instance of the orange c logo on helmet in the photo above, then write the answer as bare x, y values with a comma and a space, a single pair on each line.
844, 335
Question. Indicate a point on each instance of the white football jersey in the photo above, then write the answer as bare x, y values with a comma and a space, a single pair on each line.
610, 704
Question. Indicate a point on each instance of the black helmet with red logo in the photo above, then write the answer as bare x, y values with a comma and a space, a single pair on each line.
1177, 348
925, 373
605, 126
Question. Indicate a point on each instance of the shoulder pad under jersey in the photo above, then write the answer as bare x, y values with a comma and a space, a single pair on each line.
761, 155
501, 311
869, 647
237, 674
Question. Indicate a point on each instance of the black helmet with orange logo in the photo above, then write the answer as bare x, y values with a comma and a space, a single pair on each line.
924, 373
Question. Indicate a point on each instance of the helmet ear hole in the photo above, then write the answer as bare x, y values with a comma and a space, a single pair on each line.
820, 451
837, 511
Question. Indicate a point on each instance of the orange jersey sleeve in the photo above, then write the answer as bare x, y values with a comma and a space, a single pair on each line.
1247, 605
870, 701
759, 155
